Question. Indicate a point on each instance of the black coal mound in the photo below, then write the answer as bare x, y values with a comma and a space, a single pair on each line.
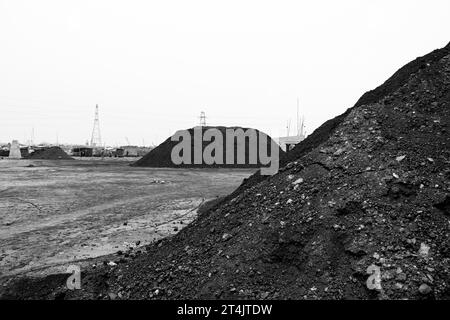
161, 155
50, 153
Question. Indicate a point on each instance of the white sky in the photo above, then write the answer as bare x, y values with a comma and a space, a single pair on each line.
152, 66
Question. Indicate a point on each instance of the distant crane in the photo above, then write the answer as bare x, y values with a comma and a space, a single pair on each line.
288, 127
288, 142
300, 122
32, 137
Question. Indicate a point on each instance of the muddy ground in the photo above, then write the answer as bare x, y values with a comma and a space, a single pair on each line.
56, 212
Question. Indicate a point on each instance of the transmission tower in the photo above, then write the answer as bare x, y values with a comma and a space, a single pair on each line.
96, 140
202, 119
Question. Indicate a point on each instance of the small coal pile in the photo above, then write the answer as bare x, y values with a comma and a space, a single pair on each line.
50, 153
161, 155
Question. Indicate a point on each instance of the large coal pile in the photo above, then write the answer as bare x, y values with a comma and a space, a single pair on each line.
50, 153
371, 192
322, 133
161, 155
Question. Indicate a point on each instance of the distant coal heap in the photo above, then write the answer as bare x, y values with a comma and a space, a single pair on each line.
161, 155
50, 153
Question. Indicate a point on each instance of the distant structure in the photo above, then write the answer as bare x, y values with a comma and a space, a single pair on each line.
82, 152
202, 119
96, 140
289, 142
14, 150
31, 142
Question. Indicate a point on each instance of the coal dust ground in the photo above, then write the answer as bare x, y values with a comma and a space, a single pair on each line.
55, 212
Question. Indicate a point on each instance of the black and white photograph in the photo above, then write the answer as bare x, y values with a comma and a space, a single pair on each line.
224, 155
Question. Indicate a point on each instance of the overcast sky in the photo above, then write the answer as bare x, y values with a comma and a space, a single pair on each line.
152, 66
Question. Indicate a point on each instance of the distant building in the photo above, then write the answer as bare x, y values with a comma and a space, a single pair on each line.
24, 152
4, 152
118, 152
82, 152
14, 150
130, 151
99, 152
142, 151
135, 151
288, 143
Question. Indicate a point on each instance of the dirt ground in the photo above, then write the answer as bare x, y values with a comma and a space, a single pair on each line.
56, 212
